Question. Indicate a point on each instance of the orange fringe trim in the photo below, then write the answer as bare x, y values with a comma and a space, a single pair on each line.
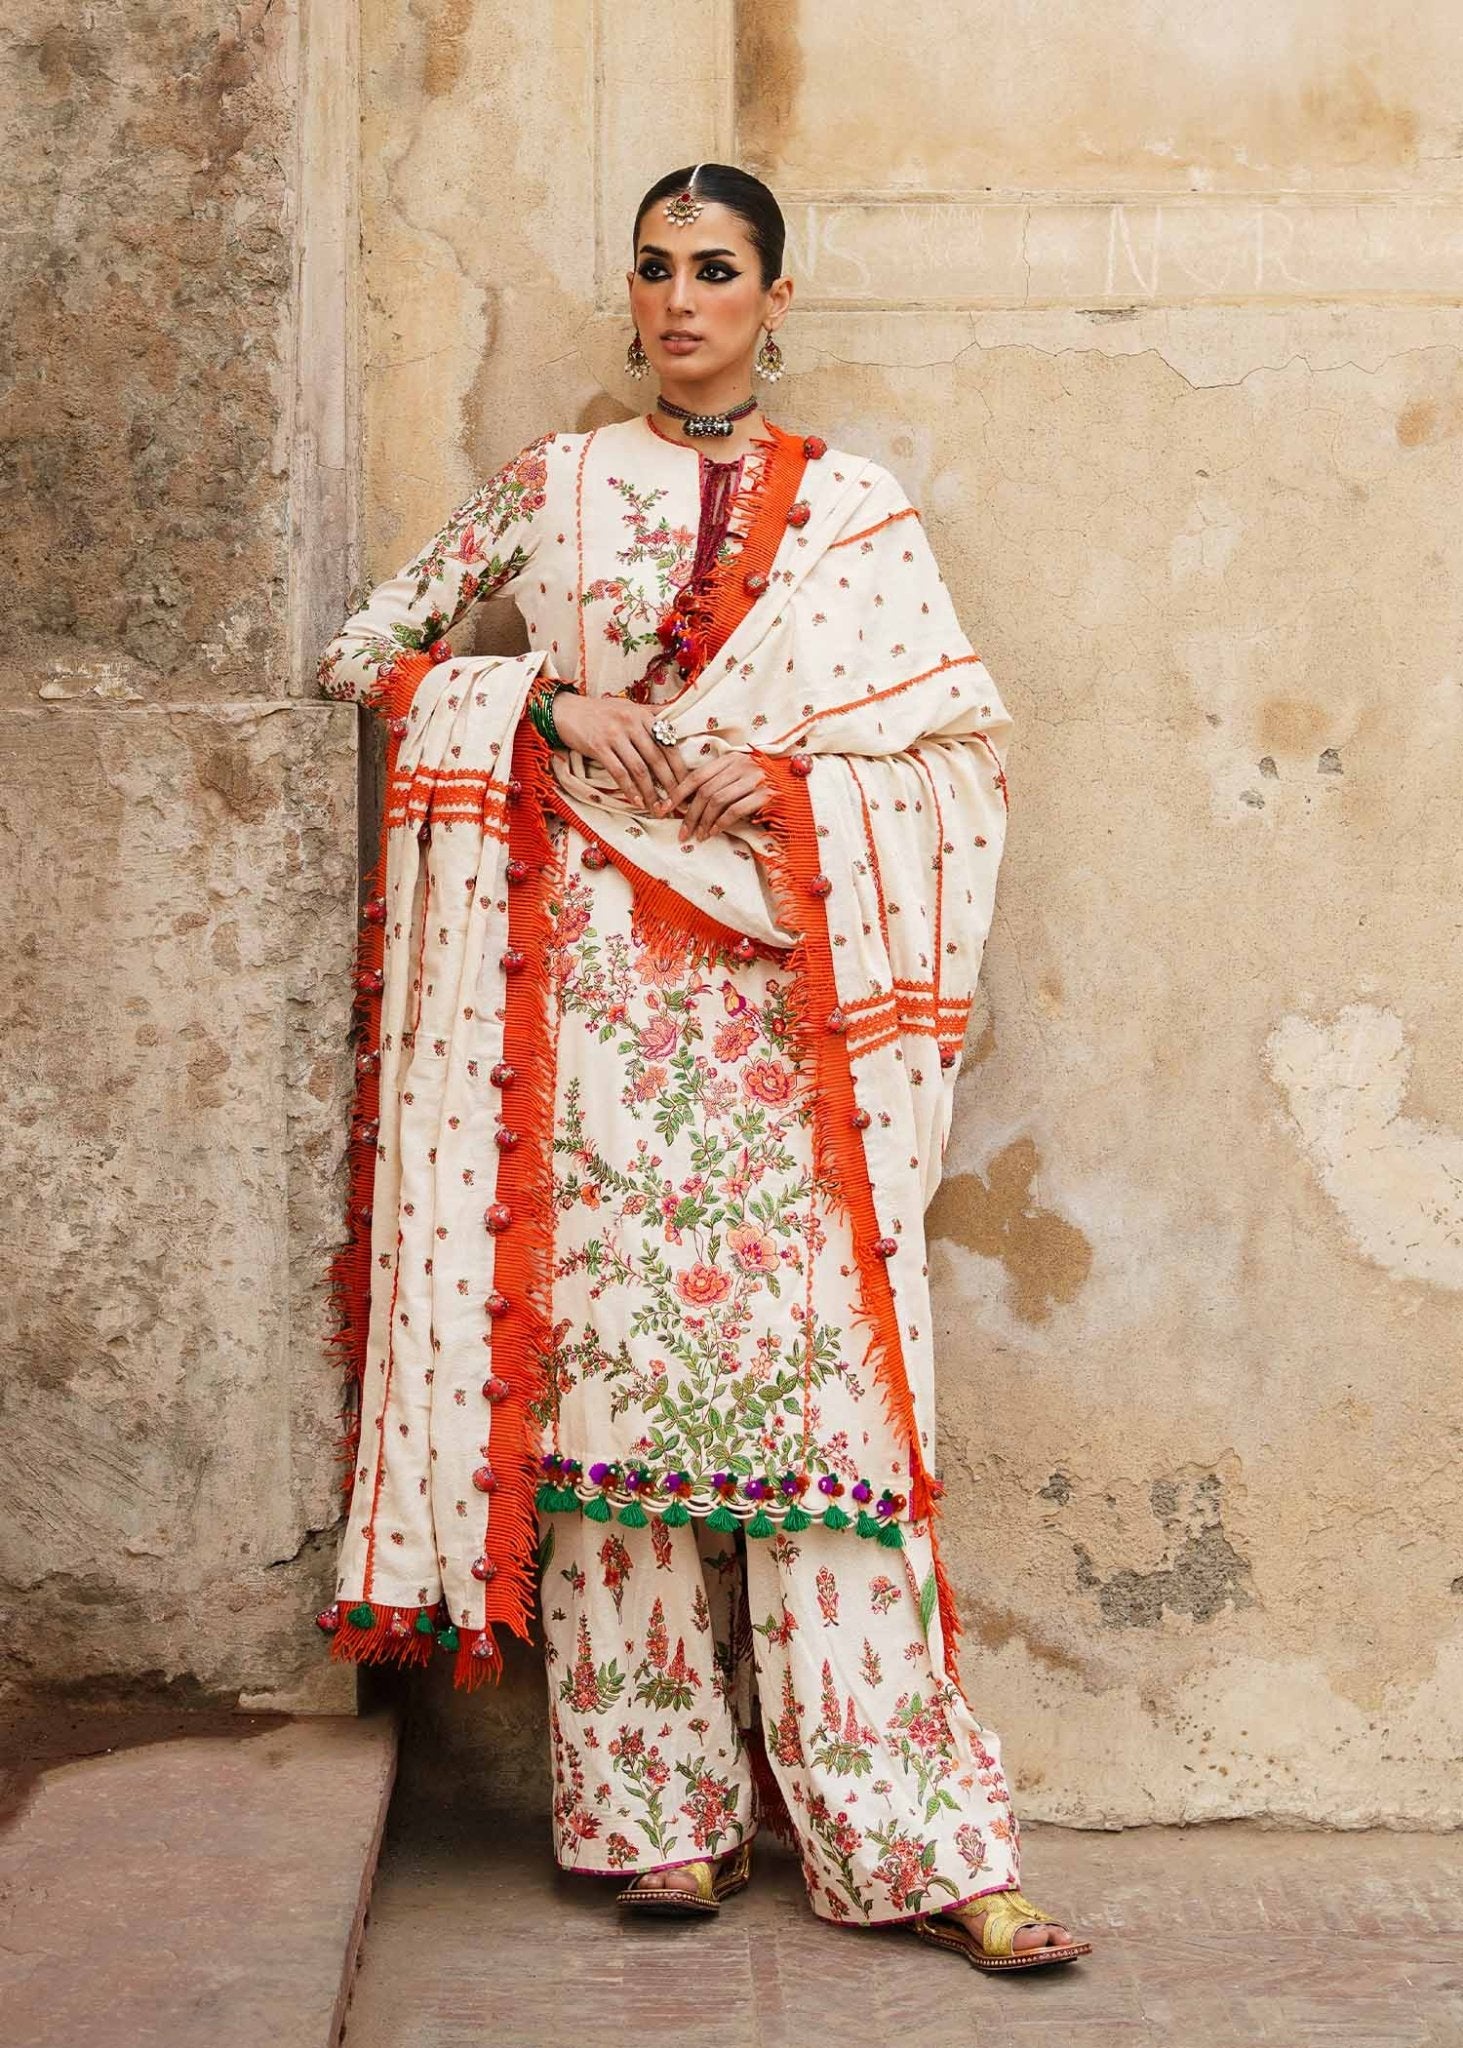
664, 918
523, 1254
865, 532
395, 1639
838, 1144
762, 516
350, 1267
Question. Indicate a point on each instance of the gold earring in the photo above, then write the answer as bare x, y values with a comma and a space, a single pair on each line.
637, 362
768, 360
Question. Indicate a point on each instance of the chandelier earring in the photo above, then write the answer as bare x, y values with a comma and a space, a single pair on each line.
768, 360
637, 362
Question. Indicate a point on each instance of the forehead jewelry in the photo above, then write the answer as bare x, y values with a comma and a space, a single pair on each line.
684, 206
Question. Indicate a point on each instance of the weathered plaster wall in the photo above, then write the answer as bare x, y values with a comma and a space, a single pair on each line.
178, 823
1169, 353
1168, 349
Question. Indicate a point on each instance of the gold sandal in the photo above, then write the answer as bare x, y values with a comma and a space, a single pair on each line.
713, 1881
991, 1946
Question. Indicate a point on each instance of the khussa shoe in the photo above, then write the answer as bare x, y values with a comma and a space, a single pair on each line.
990, 1946
714, 1882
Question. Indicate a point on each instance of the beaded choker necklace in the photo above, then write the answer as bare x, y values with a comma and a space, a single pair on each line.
704, 424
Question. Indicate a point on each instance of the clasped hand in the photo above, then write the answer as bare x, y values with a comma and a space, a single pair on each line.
718, 791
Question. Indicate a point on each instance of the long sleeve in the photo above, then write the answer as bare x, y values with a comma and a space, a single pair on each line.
485, 546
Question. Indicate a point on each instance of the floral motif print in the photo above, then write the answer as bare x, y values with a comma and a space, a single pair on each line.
615, 1568
700, 1291
894, 1790
484, 546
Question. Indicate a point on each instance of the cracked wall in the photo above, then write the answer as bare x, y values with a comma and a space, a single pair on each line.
178, 821
1180, 399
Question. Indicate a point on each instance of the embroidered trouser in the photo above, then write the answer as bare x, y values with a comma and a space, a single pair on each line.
663, 1644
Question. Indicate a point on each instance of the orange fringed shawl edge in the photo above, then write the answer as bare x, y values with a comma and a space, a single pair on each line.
522, 1253
794, 865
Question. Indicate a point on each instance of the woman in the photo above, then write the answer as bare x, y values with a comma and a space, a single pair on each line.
663, 982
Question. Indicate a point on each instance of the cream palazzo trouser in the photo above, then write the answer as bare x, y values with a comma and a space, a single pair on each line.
663, 1643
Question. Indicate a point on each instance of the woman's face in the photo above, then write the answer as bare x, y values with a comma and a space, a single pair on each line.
701, 280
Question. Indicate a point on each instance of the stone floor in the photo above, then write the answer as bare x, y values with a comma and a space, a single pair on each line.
200, 1889
1205, 1937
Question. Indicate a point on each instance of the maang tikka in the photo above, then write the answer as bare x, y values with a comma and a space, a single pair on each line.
683, 206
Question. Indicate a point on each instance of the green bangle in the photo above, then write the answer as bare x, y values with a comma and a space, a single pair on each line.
541, 711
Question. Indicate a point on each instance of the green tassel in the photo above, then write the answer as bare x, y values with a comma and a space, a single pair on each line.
425, 1625
634, 1516
796, 1520
835, 1518
547, 1499
676, 1515
760, 1525
363, 1616
891, 1536
448, 1637
598, 1510
866, 1525
722, 1518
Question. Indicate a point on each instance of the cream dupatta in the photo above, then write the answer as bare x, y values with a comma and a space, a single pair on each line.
882, 737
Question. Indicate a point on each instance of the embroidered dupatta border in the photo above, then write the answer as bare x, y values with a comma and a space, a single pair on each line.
820, 1029
371, 1630
350, 1267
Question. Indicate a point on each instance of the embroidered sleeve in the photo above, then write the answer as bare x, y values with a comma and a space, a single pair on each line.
484, 547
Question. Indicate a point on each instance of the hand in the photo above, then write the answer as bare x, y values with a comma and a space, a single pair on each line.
616, 733
716, 793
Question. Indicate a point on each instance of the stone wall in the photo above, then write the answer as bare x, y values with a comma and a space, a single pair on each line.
1157, 317
178, 815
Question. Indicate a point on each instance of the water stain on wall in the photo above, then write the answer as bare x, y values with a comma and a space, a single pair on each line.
1047, 1258
447, 24
1395, 1181
769, 80
1204, 1573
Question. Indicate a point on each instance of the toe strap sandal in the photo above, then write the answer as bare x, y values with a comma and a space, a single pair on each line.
991, 1945
713, 1881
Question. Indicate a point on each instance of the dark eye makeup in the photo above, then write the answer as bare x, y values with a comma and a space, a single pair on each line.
651, 266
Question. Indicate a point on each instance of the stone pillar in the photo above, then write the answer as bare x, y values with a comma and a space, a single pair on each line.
180, 818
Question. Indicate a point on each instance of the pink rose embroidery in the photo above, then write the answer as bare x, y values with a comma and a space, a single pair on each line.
702, 1286
659, 1037
770, 1083
732, 1040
